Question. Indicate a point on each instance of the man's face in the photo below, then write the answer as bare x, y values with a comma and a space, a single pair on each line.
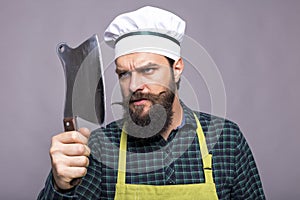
146, 79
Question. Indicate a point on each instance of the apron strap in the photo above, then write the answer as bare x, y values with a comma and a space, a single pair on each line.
201, 138
206, 157
122, 158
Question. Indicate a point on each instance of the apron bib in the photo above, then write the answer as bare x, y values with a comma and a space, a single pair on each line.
206, 190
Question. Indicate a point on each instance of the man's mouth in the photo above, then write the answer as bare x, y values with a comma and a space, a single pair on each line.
139, 102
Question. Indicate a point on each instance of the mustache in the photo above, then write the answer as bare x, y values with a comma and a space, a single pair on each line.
140, 96
136, 96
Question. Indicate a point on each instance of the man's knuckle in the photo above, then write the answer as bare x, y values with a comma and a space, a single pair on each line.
74, 136
83, 171
67, 161
86, 161
80, 149
53, 150
60, 171
57, 163
54, 154
54, 139
88, 150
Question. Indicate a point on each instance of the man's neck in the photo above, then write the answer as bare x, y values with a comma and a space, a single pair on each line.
176, 119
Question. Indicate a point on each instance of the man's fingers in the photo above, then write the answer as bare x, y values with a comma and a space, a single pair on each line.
69, 156
75, 150
85, 132
78, 161
71, 137
66, 168
69, 173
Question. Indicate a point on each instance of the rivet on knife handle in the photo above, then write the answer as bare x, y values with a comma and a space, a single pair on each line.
70, 124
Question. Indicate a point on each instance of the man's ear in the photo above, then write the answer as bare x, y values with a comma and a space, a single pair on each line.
178, 67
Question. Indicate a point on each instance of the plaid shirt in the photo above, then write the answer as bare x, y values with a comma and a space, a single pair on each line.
155, 161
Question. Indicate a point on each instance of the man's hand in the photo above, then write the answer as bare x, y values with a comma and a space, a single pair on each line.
69, 157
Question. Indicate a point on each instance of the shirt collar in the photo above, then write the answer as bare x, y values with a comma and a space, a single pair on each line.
187, 118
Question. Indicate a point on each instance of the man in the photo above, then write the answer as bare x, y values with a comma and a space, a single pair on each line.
160, 149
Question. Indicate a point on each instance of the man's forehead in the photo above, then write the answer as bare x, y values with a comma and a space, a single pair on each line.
141, 59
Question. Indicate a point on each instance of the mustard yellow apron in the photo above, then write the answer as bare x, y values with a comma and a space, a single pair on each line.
206, 191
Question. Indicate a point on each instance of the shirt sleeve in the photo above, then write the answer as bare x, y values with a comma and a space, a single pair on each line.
49, 192
247, 183
89, 188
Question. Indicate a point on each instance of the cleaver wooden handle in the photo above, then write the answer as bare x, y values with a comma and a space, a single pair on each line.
70, 124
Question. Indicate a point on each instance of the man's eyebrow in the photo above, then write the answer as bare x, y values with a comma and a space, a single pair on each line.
119, 71
147, 66
150, 64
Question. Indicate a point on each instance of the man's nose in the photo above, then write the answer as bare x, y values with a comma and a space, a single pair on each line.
136, 82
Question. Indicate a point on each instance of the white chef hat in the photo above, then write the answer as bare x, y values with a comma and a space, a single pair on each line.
147, 29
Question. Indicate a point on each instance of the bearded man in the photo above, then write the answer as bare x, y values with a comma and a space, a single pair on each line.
160, 149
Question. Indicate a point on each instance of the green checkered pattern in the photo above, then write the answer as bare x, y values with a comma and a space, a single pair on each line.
178, 160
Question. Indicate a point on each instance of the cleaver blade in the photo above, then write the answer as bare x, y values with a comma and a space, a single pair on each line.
84, 80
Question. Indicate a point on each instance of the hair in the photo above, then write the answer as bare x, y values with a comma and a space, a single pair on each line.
171, 63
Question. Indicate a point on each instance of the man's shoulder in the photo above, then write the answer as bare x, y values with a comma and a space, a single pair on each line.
111, 131
219, 131
211, 122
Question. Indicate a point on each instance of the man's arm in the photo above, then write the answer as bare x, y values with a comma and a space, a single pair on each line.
69, 159
89, 188
247, 183
50, 193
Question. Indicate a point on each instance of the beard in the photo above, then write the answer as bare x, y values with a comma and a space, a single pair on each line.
155, 121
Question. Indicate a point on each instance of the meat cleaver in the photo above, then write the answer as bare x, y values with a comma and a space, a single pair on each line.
85, 91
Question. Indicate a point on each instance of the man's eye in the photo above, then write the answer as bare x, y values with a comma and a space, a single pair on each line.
124, 75
148, 70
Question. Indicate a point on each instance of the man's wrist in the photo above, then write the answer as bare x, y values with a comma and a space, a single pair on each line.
58, 189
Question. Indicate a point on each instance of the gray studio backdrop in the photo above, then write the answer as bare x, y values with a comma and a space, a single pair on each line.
255, 45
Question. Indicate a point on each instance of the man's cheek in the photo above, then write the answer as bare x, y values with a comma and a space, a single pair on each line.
126, 97
124, 91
